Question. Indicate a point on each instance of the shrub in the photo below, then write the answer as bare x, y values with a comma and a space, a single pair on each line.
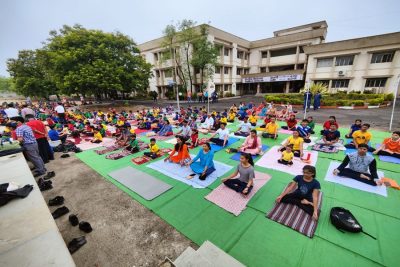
389, 97
296, 102
341, 102
327, 102
375, 102
358, 103
229, 94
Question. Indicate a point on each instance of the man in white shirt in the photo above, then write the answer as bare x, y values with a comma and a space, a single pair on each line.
208, 123
11, 112
27, 110
60, 112
244, 128
223, 136
185, 131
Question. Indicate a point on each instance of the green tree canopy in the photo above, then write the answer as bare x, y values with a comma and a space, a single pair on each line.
76, 60
6, 84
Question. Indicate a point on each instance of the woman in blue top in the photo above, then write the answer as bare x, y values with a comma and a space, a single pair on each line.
205, 166
303, 192
166, 130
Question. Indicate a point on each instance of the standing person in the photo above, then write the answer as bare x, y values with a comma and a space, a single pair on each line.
200, 96
26, 110
155, 96
307, 100
303, 192
206, 164
11, 111
189, 96
28, 141
60, 112
317, 100
40, 132
244, 183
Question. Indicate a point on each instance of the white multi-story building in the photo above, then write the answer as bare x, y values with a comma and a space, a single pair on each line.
370, 63
279, 64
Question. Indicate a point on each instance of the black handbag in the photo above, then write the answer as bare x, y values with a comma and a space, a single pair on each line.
344, 220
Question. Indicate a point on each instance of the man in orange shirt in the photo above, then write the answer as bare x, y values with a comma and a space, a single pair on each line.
390, 146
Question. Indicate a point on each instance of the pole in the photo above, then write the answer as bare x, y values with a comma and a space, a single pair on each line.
208, 101
394, 103
306, 103
177, 96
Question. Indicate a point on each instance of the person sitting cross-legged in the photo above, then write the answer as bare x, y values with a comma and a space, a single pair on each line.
154, 150
203, 163
361, 166
361, 136
271, 129
303, 192
304, 131
291, 123
223, 136
287, 156
297, 142
180, 153
252, 144
244, 128
244, 183
354, 127
331, 137
390, 146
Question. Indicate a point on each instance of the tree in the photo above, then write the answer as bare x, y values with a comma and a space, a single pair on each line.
205, 55
29, 75
6, 84
75, 60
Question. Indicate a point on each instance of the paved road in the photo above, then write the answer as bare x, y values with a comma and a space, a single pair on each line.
378, 118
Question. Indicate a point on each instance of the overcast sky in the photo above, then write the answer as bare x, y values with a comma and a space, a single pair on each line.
24, 24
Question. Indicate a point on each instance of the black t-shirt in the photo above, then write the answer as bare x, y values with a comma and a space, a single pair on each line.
305, 189
330, 136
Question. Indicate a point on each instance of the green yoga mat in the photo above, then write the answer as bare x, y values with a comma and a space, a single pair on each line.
257, 241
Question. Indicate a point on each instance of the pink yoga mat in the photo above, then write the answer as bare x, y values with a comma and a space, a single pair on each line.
283, 131
233, 201
270, 160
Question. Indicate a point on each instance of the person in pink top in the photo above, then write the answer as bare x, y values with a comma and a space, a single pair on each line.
252, 144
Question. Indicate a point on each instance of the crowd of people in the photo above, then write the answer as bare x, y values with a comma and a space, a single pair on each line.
41, 127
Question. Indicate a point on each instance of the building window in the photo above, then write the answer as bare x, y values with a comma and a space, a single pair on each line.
324, 62
155, 56
217, 69
218, 88
263, 69
246, 71
240, 54
300, 66
284, 52
246, 56
281, 68
264, 54
226, 70
340, 83
238, 71
226, 51
344, 60
168, 73
382, 57
301, 50
375, 82
157, 74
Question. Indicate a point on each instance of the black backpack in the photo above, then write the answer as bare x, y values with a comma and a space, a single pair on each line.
343, 219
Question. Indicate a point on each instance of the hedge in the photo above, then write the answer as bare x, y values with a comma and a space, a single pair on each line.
337, 99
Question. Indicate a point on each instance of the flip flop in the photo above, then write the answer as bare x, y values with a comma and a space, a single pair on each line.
49, 175
76, 243
60, 212
85, 226
73, 219
58, 200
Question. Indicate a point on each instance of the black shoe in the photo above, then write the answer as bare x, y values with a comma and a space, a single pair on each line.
85, 226
76, 244
37, 174
60, 212
57, 201
73, 219
65, 156
45, 186
49, 175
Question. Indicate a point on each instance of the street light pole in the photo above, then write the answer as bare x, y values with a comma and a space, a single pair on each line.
394, 102
177, 96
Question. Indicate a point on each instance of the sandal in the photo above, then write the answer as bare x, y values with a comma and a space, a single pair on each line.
85, 226
76, 244
58, 200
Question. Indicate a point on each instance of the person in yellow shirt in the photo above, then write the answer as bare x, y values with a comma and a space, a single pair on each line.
297, 142
287, 156
97, 138
253, 119
361, 136
231, 116
120, 122
154, 149
223, 120
271, 129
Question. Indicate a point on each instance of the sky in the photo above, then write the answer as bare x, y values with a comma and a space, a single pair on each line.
25, 24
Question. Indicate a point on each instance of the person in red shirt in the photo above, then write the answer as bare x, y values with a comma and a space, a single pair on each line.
291, 123
40, 132
390, 146
328, 123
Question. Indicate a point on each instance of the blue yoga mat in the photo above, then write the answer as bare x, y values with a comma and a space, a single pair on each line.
389, 159
236, 156
216, 148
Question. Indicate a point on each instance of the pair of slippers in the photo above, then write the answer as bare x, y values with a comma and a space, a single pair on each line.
44, 185
84, 226
76, 243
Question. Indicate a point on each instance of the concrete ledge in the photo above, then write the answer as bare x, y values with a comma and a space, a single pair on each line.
29, 236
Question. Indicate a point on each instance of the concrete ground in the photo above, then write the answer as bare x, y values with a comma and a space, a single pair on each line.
126, 233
